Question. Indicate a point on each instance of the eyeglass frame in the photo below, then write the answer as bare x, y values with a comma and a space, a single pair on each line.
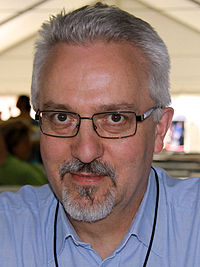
139, 118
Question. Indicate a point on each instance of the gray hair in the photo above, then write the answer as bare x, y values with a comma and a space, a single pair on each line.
108, 23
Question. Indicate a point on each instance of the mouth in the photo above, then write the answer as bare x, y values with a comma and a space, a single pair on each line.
83, 178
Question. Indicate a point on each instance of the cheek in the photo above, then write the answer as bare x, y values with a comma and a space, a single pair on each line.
132, 158
124, 156
53, 151
127, 151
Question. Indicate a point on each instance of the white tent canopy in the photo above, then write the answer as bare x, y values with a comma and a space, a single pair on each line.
177, 22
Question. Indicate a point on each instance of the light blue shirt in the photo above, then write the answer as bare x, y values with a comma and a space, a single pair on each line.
27, 229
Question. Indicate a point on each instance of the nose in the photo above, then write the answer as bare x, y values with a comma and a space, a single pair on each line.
87, 145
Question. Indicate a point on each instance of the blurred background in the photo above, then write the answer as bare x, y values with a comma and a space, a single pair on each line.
176, 21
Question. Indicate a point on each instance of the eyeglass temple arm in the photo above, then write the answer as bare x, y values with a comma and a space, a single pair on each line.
145, 115
37, 115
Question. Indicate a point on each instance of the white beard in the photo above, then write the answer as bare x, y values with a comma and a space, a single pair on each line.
91, 210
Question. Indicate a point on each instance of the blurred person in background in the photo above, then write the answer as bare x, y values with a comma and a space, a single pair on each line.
15, 152
23, 104
3, 149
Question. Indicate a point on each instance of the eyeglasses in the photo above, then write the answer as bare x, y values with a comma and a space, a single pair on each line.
113, 125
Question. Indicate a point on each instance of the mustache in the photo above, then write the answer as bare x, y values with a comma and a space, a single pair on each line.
96, 167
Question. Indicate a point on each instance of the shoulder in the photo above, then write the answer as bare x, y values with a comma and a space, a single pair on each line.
180, 192
28, 197
26, 224
178, 223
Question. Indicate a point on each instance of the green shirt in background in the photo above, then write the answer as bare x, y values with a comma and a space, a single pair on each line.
17, 172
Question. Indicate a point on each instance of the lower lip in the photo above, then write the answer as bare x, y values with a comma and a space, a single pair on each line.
86, 179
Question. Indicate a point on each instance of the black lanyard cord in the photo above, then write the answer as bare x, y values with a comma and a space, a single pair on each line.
55, 235
152, 233
155, 219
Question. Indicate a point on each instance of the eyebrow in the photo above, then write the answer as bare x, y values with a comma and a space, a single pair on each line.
51, 105
118, 107
55, 106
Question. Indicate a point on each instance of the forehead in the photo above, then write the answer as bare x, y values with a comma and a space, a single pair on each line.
94, 75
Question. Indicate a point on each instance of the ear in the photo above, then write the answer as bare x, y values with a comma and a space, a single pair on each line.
162, 127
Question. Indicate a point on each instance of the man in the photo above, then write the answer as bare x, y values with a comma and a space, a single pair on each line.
100, 92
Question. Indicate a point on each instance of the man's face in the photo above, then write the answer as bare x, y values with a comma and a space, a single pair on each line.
89, 79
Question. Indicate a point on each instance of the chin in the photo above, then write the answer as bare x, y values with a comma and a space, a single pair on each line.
86, 205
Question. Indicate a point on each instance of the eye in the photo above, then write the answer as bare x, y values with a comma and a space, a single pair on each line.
61, 117
115, 118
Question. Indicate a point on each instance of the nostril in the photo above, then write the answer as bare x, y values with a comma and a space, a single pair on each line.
87, 146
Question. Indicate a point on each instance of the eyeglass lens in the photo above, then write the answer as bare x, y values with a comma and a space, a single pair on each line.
108, 124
